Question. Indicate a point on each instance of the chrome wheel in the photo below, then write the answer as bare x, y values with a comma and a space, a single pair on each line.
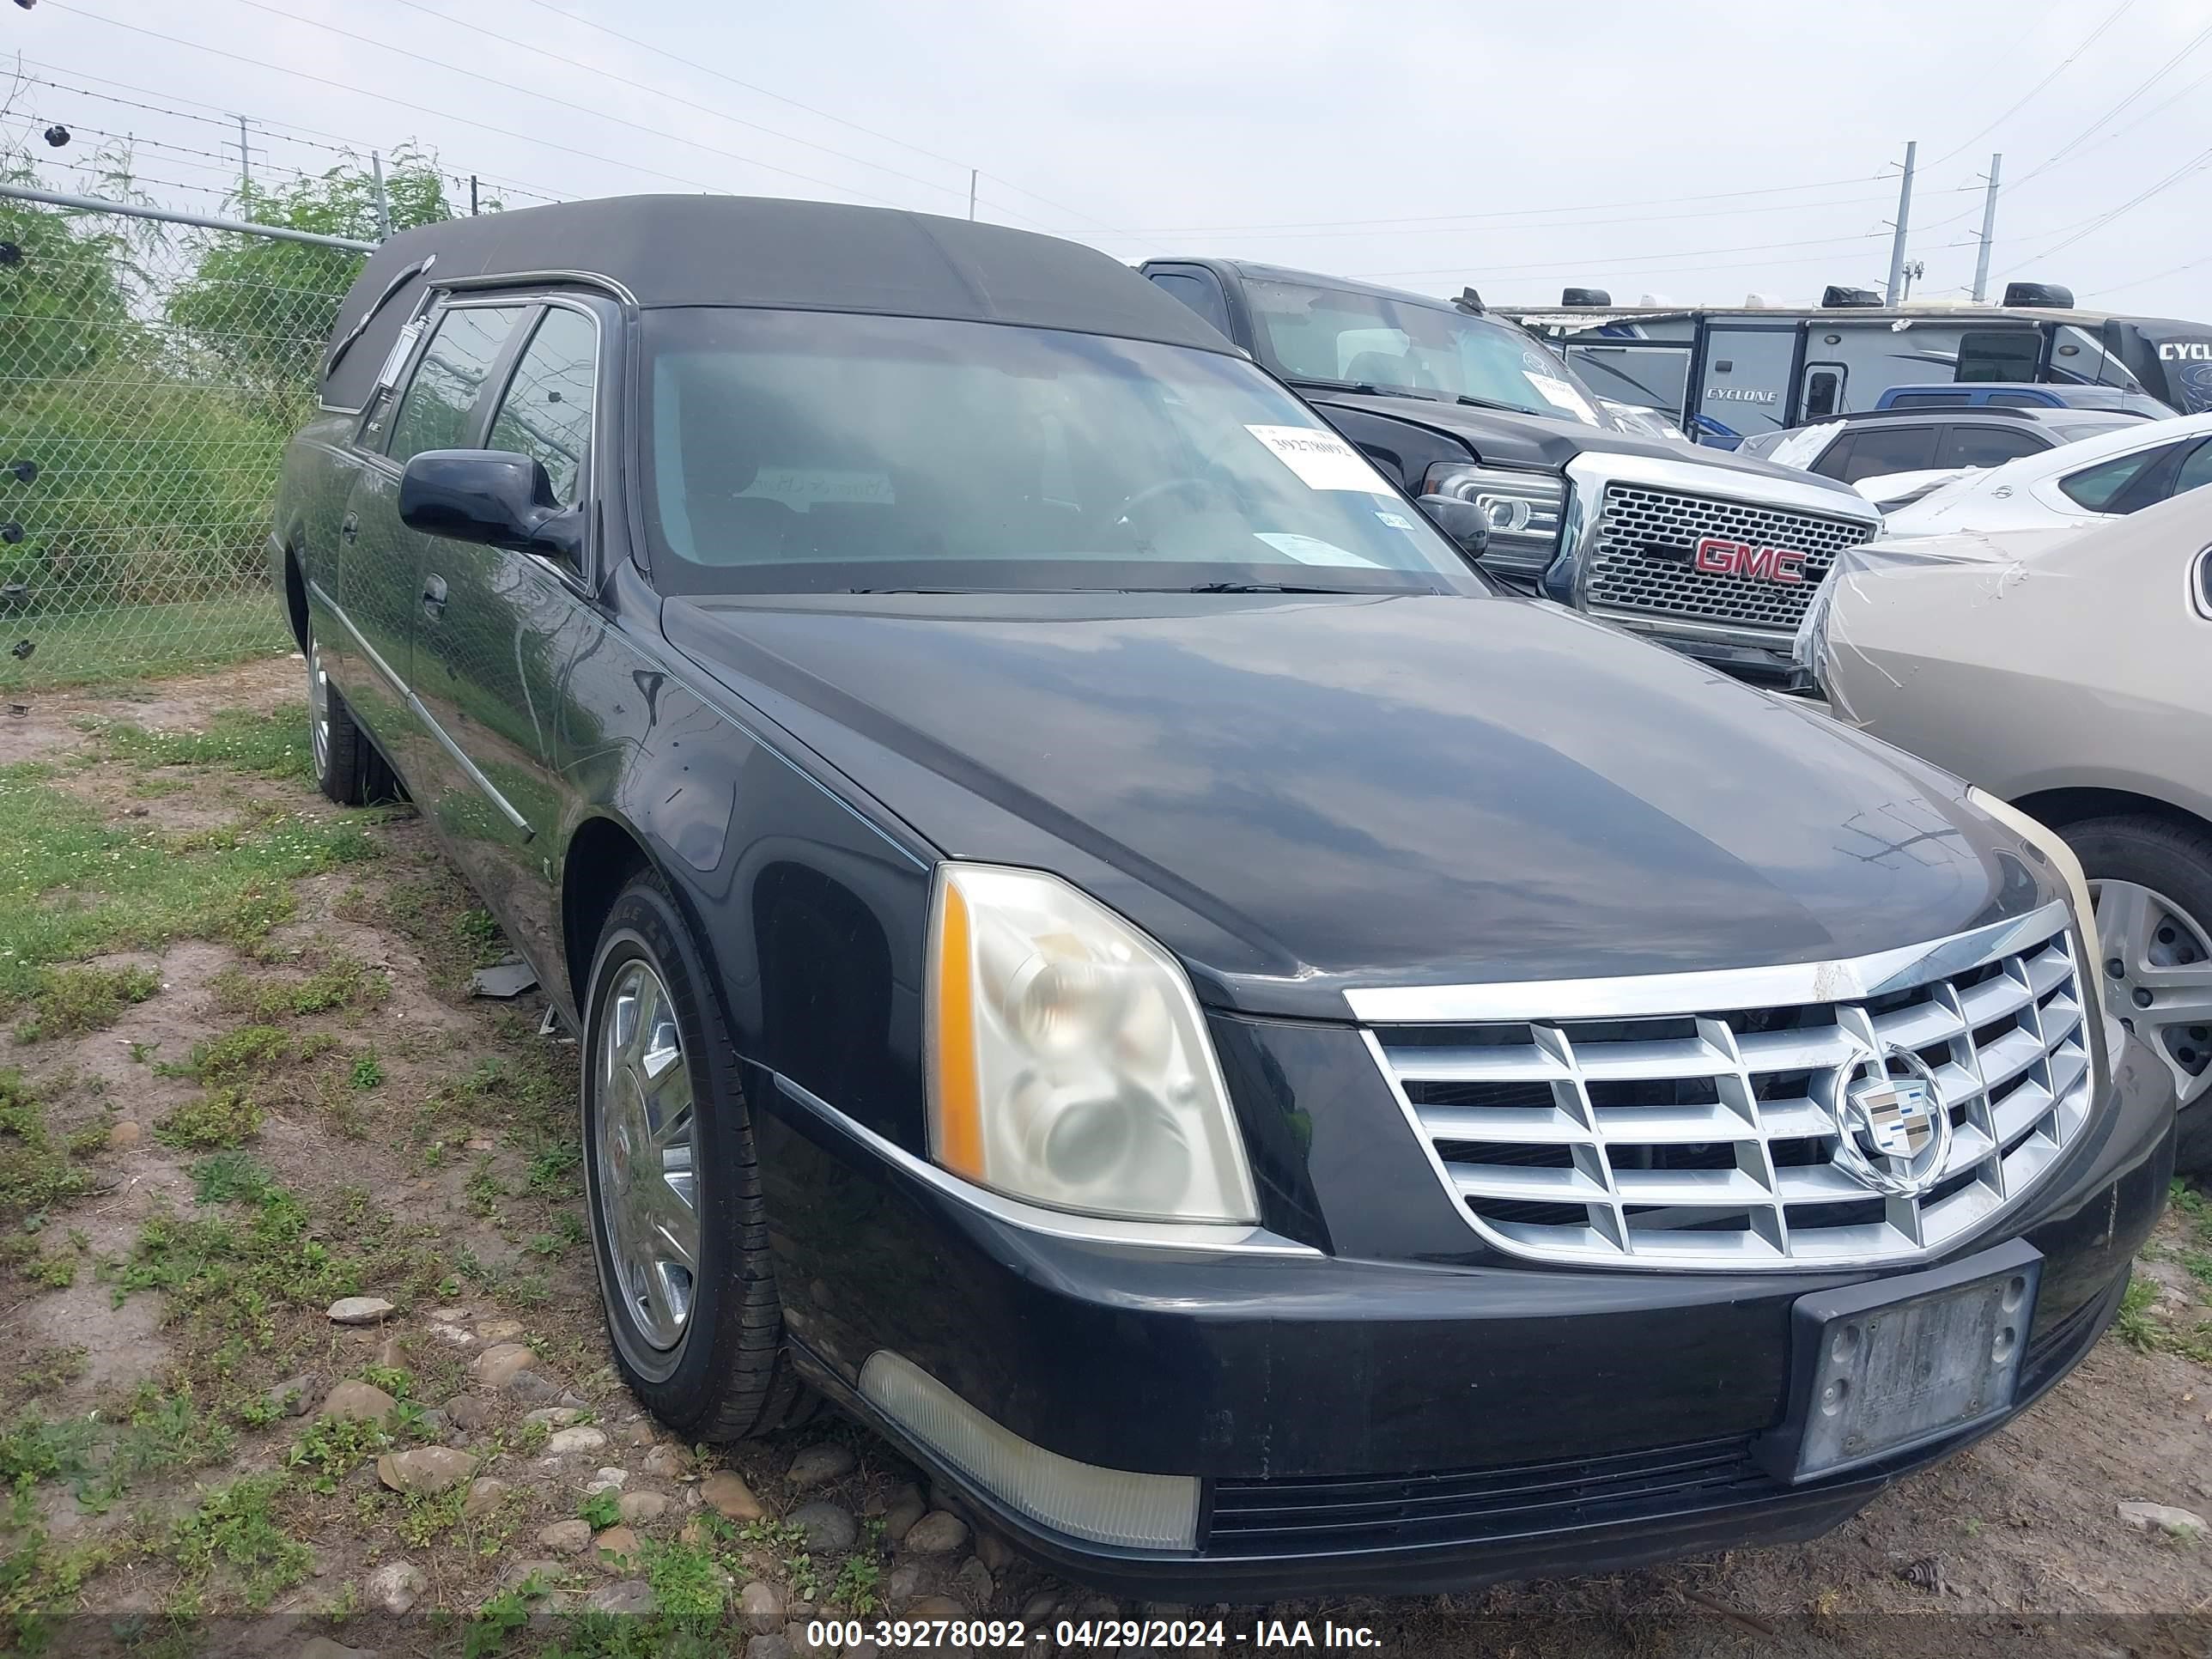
643, 1152
318, 710
2157, 977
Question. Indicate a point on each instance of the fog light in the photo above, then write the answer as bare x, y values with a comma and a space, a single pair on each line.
1108, 1506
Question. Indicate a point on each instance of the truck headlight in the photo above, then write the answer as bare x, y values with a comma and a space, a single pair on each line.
1524, 510
2052, 846
1068, 1061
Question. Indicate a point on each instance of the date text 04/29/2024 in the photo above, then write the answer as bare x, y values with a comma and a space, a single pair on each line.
1146, 1635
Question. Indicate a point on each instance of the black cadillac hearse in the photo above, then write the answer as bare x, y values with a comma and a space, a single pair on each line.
1105, 946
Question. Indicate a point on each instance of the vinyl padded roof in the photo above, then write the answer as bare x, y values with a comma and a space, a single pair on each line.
768, 251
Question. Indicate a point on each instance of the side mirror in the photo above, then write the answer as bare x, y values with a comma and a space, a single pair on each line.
1466, 523
489, 496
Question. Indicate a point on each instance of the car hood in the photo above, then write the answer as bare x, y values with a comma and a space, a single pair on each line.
1510, 440
1301, 796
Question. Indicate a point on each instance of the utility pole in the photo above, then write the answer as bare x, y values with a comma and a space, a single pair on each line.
472, 196
1904, 222
971, 194
244, 160
383, 201
1988, 228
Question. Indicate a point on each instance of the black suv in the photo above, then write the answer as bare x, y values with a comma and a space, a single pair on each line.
1106, 946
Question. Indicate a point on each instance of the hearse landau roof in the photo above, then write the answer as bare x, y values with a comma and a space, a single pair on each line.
767, 251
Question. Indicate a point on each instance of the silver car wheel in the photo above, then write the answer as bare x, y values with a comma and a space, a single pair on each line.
2157, 977
643, 1152
318, 710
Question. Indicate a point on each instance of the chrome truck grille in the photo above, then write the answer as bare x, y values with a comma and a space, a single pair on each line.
1643, 552
1700, 1120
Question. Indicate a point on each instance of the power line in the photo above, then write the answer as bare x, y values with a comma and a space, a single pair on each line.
351, 149
1625, 264
564, 103
1499, 213
820, 114
2195, 163
382, 97
2142, 87
2094, 35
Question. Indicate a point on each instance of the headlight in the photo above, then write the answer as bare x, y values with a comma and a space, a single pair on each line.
1068, 1062
1524, 510
2053, 846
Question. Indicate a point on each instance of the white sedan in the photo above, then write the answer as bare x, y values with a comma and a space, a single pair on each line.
2064, 669
2089, 481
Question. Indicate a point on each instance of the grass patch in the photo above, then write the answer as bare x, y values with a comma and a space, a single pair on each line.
71, 1001
229, 1278
2143, 1331
247, 1048
232, 1177
238, 1528
367, 1073
74, 886
35, 1173
271, 745
222, 1117
332, 1447
340, 982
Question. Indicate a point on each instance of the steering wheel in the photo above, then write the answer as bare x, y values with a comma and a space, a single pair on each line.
1132, 505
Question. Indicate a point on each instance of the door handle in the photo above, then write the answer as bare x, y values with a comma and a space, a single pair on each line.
350, 528
434, 597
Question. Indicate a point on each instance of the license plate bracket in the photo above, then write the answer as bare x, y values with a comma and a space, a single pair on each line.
1882, 1368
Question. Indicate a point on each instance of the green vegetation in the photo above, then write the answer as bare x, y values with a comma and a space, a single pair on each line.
71, 1001
35, 1173
601, 1509
238, 1528
222, 1117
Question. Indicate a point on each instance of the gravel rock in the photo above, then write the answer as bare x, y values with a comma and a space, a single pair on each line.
830, 1527
818, 1466
903, 1584
485, 1495
547, 1573
943, 1498
553, 1417
726, 1492
452, 1334
497, 1368
535, 1386
361, 1402
642, 1508
393, 1587
122, 1137
938, 1606
993, 1550
665, 1462
566, 1537
615, 1548
321, 1647
2160, 1517
938, 1533
563, 1442
361, 1311
771, 1646
761, 1606
609, 1479
637, 1432
471, 1412
633, 1597
425, 1469
294, 1396
499, 1330
390, 1355
907, 1506
974, 1584
1040, 1607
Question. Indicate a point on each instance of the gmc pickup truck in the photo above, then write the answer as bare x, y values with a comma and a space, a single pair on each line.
1714, 554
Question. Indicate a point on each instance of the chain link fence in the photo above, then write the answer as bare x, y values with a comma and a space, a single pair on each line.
152, 365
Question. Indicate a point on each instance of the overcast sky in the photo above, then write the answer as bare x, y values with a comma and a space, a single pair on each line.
1696, 150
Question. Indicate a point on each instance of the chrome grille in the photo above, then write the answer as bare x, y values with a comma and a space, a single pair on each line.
1640, 558
1709, 1137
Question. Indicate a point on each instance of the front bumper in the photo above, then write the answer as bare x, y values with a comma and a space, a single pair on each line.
1398, 1425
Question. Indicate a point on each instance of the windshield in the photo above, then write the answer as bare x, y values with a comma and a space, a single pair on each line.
794, 452
1431, 351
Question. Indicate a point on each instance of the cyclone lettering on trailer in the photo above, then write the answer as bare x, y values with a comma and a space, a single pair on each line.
1719, 558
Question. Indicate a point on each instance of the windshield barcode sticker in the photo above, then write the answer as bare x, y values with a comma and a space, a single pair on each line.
1563, 393
1321, 459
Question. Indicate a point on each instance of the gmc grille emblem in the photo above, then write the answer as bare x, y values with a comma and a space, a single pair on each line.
1716, 557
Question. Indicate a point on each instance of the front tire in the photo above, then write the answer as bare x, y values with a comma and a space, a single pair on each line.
346, 766
679, 1227
2151, 878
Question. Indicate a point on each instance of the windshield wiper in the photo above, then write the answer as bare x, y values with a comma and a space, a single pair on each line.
1365, 388
1265, 587
1492, 402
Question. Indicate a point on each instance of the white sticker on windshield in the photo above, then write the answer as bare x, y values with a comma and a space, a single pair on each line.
1395, 521
803, 487
1321, 459
1311, 549
1553, 389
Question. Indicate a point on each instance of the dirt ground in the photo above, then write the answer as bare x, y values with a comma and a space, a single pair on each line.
242, 1078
